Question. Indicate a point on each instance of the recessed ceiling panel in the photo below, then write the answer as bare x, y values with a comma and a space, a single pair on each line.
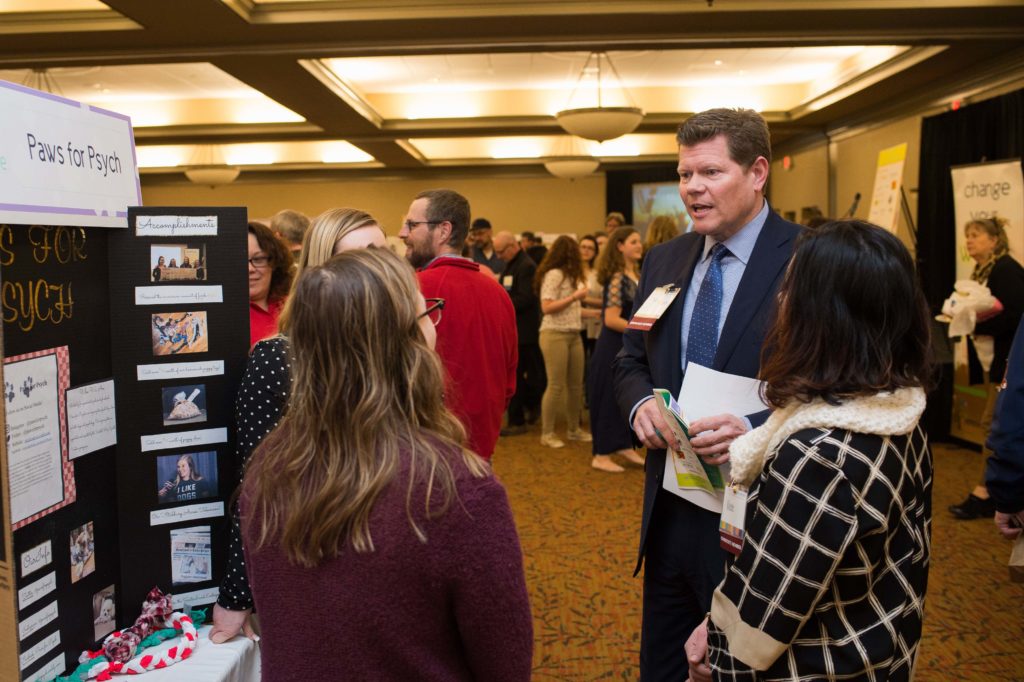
462, 86
251, 154
543, 146
51, 5
160, 94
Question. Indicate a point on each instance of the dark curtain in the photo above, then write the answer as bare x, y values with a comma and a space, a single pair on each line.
987, 131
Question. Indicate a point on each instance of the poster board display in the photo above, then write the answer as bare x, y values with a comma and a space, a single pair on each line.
885, 197
981, 190
75, 568
181, 345
55, 294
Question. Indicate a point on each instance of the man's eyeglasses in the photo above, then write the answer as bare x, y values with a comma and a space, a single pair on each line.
410, 225
259, 262
433, 311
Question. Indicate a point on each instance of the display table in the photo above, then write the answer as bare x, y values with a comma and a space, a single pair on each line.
234, 661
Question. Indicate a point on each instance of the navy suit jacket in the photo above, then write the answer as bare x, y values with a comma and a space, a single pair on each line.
651, 359
1004, 476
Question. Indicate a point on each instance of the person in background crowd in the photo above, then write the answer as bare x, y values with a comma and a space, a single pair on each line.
614, 221
476, 336
591, 311
830, 581
290, 226
601, 238
559, 282
379, 547
995, 268
517, 279
534, 246
660, 230
158, 269
270, 277
262, 397
483, 251
728, 269
1004, 474
817, 221
618, 271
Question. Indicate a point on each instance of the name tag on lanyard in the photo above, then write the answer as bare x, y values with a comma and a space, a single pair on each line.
734, 511
654, 307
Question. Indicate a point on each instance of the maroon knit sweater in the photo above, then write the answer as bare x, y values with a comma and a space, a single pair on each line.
454, 608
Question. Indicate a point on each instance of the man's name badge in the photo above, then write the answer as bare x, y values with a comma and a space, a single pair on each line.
654, 307
730, 527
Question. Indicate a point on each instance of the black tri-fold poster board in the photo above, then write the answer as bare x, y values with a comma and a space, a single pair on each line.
123, 350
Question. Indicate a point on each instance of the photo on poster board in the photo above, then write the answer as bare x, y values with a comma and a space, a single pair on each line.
177, 262
184, 404
178, 333
184, 478
83, 552
190, 555
103, 613
41, 475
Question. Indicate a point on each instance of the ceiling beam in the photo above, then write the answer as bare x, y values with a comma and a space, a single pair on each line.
202, 30
289, 84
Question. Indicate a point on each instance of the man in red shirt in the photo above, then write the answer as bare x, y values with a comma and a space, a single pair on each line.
476, 335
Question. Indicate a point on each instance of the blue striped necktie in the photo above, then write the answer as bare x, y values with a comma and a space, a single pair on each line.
702, 340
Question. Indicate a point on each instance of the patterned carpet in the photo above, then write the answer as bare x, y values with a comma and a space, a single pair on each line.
579, 531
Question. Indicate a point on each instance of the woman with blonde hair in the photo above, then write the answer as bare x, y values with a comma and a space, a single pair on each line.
378, 545
336, 230
618, 272
559, 283
660, 230
263, 393
995, 268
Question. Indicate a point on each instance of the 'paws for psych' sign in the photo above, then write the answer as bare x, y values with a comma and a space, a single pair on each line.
63, 162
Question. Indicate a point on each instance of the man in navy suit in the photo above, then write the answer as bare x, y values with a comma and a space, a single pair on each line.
729, 270
1004, 475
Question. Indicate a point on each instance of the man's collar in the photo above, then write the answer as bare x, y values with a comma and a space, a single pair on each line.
741, 244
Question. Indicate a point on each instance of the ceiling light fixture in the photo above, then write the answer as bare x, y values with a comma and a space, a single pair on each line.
571, 160
601, 122
207, 167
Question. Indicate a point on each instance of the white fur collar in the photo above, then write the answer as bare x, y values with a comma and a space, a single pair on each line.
882, 414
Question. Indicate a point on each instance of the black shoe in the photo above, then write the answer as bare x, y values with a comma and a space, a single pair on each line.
973, 507
514, 430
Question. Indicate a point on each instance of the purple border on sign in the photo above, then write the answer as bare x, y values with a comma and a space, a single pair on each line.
104, 112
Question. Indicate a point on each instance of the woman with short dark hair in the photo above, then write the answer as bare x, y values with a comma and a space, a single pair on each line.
831, 577
270, 277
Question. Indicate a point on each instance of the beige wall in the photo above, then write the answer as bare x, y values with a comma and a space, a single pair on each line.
856, 159
804, 184
515, 204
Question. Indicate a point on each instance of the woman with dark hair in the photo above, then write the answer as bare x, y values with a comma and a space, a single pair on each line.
379, 546
158, 269
618, 273
591, 310
270, 277
560, 285
830, 579
995, 268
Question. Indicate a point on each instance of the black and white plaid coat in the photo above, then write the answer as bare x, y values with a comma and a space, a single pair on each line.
831, 580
